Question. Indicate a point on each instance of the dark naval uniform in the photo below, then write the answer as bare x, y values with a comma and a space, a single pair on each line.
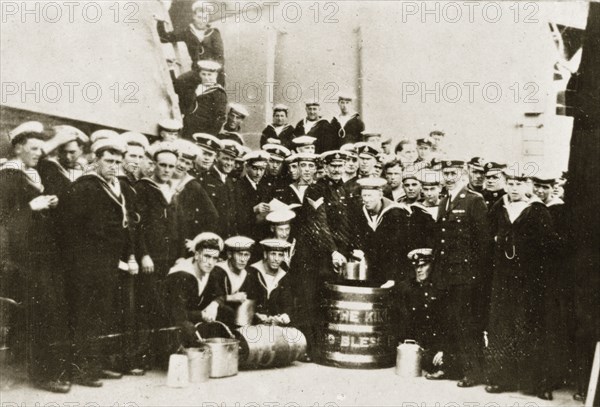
196, 212
55, 178
31, 273
210, 48
420, 311
158, 237
222, 196
286, 135
222, 273
491, 197
461, 249
187, 297
246, 198
327, 139
204, 113
422, 225
322, 227
516, 324
384, 238
96, 225
279, 300
352, 130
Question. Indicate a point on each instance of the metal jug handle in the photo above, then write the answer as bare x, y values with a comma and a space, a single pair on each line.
231, 335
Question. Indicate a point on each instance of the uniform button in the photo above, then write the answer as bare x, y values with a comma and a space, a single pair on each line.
443, 230
427, 317
426, 294
466, 260
426, 307
442, 241
458, 220
443, 219
197, 210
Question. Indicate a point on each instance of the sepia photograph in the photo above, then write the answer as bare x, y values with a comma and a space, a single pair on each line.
319, 203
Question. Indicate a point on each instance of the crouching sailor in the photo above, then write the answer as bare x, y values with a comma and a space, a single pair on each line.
194, 294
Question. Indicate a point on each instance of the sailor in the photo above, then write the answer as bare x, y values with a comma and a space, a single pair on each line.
420, 310
280, 129
381, 233
280, 226
233, 273
31, 271
351, 166
425, 212
304, 144
193, 294
236, 114
493, 188
274, 291
252, 196
202, 101
476, 174
315, 126
461, 250
195, 210
64, 161
98, 243
348, 124
169, 129
393, 174
157, 244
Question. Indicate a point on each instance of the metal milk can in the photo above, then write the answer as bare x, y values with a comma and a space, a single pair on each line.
408, 359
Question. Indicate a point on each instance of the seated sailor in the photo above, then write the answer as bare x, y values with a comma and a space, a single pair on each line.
274, 291
194, 295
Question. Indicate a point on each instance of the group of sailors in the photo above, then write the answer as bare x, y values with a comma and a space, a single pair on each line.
133, 234
112, 234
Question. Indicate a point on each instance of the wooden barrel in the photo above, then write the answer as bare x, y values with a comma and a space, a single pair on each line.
357, 331
265, 346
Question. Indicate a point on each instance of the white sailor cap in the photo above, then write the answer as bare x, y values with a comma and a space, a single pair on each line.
239, 109
186, 149
280, 107
135, 138
275, 245
208, 65
312, 102
239, 243
110, 143
26, 127
372, 183
102, 133
162, 147
64, 134
280, 217
205, 237
170, 124
304, 141
345, 95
